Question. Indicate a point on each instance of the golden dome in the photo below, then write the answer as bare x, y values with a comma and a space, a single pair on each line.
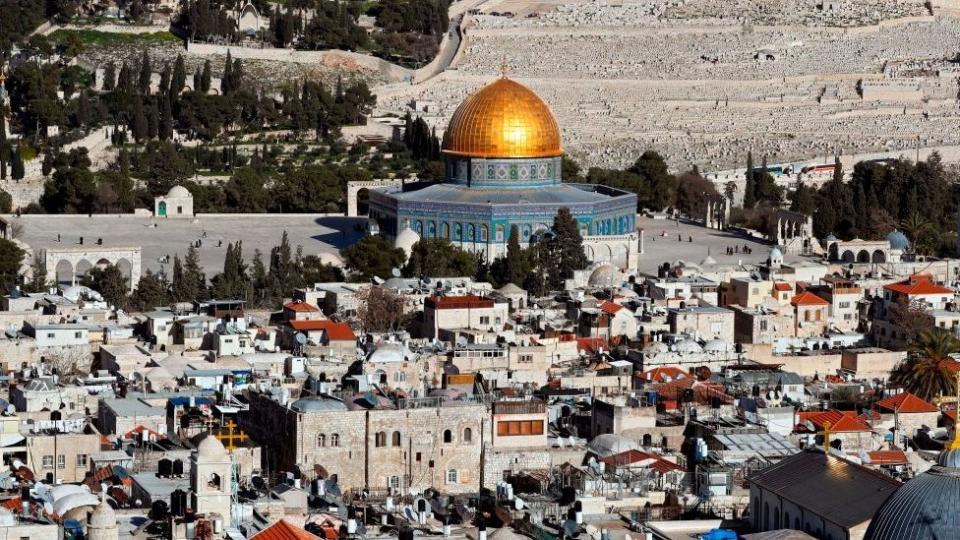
504, 119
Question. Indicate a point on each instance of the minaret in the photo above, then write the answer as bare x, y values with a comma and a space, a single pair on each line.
211, 479
102, 523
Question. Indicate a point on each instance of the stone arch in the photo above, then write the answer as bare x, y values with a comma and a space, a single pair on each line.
64, 273
848, 256
445, 230
833, 252
878, 256
353, 190
102, 263
126, 268
619, 255
863, 256
82, 267
588, 251
363, 201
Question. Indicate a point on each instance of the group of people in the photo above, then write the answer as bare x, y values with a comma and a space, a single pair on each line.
747, 250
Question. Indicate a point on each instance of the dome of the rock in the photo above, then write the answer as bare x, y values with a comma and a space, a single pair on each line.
504, 119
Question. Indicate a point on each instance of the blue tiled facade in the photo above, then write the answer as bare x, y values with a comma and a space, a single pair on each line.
482, 198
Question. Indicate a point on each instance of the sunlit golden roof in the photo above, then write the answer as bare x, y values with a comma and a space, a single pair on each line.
504, 119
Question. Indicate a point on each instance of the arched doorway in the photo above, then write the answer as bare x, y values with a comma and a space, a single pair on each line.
879, 256
64, 272
863, 256
126, 269
848, 256
82, 268
833, 252
162, 209
363, 201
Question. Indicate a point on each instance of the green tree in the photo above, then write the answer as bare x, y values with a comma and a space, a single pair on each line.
179, 81
804, 199
749, 190
38, 274
6, 202
11, 257
245, 192
189, 282
143, 81
373, 256
316, 271
438, 257
17, 169
205, 78
927, 371
110, 282
153, 290
693, 194
562, 250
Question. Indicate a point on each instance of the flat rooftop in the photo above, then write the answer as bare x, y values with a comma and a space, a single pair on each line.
169, 237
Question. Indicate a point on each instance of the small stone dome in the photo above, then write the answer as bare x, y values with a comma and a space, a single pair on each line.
211, 448
103, 516
609, 444
406, 239
656, 347
717, 346
687, 346
178, 191
391, 351
898, 240
605, 275
775, 253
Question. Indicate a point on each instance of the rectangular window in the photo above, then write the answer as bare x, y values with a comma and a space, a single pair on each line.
77, 335
526, 358
844, 305
81, 460
763, 325
51, 335
484, 320
508, 428
418, 457
61, 461
47, 462
452, 476
395, 482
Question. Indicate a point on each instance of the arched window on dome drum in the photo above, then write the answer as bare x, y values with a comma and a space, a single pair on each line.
609, 227
418, 227
484, 233
457, 232
499, 237
527, 230
432, 229
470, 233
445, 230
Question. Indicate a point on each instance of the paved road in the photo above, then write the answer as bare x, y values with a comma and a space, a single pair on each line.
660, 249
317, 234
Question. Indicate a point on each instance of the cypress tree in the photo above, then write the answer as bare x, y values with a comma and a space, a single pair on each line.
109, 77
153, 121
165, 75
166, 120
515, 270
140, 126
205, 78
197, 80
16, 164
179, 77
749, 191
143, 82
225, 82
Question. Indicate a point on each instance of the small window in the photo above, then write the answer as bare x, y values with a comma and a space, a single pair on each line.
335, 440
380, 440
321, 440
77, 334
51, 335
81, 460
394, 482
396, 438
61, 461
467, 435
447, 436
47, 462
453, 476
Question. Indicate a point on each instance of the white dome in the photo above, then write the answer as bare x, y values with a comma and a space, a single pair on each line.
211, 448
687, 346
717, 345
391, 351
656, 347
775, 253
406, 239
103, 516
605, 275
178, 191
609, 444
331, 258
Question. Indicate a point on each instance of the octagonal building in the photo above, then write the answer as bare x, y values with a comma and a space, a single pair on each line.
503, 155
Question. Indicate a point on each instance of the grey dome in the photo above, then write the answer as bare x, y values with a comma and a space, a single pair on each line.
924, 508
605, 275
898, 240
318, 404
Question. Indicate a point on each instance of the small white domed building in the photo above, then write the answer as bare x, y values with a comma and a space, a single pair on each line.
102, 523
177, 203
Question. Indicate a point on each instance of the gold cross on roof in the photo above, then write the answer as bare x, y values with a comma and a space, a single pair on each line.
229, 438
826, 437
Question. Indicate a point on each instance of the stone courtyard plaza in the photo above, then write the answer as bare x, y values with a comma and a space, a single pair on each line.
786, 80
317, 234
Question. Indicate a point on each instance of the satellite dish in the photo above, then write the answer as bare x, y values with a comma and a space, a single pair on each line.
395, 272
461, 341
300, 338
11, 409
137, 376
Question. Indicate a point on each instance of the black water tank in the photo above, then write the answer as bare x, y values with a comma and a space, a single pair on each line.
164, 468
178, 467
406, 533
178, 502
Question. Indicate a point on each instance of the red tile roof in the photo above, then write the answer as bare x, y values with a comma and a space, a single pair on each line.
284, 530
336, 331
590, 344
807, 298
636, 456
888, 457
916, 285
610, 308
840, 421
301, 307
459, 302
781, 286
906, 403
